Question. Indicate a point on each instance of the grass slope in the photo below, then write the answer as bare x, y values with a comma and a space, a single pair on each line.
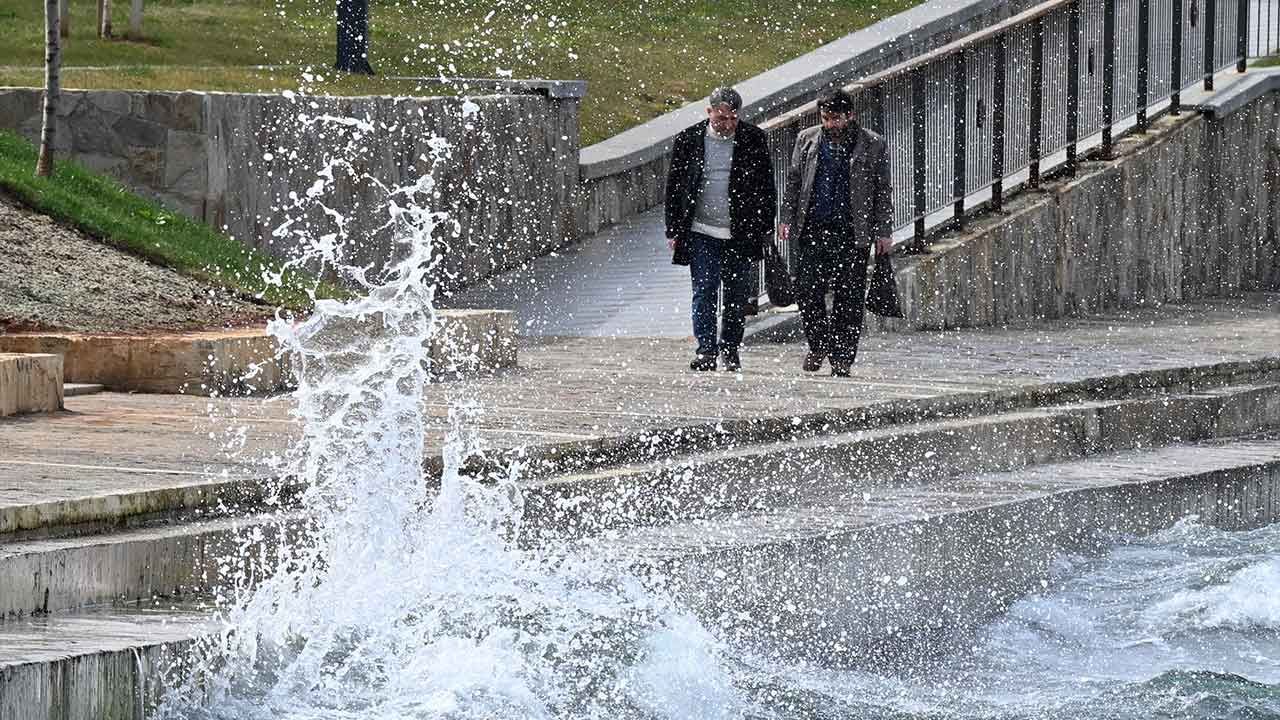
640, 59
105, 210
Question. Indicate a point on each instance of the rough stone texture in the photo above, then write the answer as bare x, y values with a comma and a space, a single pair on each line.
30, 383
510, 183
1188, 211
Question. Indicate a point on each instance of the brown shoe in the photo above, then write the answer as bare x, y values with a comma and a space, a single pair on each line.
813, 361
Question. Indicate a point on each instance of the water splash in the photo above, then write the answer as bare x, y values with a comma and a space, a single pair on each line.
392, 595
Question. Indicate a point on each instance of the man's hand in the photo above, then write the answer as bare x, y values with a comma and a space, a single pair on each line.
784, 232
671, 243
884, 245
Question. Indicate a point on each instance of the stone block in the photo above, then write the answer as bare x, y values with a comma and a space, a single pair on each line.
230, 362
186, 163
138, 132
18, 106
30, 383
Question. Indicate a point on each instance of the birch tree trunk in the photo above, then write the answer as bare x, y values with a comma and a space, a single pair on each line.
64, 18
106, 19
52, 60
135, 20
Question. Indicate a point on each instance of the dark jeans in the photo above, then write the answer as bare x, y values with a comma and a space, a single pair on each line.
843, 271
712, 266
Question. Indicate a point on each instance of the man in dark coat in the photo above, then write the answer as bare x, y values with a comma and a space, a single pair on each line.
839, 201
721, 205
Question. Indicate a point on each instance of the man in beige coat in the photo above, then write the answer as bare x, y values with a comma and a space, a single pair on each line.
839, 202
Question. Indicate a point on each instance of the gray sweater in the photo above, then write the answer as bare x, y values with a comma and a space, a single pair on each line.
711, 216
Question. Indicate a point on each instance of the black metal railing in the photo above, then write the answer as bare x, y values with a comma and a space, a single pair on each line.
1008, 103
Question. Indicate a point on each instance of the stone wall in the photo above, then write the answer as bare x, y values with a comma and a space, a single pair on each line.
1186, 211
237, 161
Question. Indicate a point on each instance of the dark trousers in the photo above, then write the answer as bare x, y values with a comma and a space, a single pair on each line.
711, 266
843, 271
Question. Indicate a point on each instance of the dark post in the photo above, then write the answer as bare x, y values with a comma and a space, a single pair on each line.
1242, 35
997, 127
1037, 99
1073, 82
960, 101
1175, 102
877, 113
1210, 34
918, 99
353, 37
1144, 59
1108, 73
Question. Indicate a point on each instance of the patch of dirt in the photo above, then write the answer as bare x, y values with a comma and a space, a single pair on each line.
57, 278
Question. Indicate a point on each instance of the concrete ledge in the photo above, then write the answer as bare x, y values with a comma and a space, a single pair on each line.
243, 362
192, 363
1238, 95
30, 383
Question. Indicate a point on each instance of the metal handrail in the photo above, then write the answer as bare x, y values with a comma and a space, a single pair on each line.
965, 117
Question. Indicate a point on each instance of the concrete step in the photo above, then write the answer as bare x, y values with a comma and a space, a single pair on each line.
768, 476
164, 560
89, 514
30, 383
75, 389
888, 572
99, 663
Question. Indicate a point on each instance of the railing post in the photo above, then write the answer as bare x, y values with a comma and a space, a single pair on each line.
1037, 100
1073, 82
1144, 59
997, 126
1175, 101
919, 97
1242, 35
1210, 35
960, 101
877, 113
1108, 73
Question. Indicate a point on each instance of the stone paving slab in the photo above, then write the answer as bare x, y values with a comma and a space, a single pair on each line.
587, 392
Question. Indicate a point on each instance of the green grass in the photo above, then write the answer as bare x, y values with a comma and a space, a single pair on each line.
107, 211
640, 59
1268, 61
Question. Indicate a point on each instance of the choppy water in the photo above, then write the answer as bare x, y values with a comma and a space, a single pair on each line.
1183, 624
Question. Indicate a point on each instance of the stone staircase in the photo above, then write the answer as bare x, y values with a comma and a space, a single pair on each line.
851, 546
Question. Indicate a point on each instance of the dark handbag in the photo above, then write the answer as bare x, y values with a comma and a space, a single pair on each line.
882, 294
777, 278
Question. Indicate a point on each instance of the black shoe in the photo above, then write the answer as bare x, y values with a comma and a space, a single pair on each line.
703, 363
729, 361
813, 361
840, 369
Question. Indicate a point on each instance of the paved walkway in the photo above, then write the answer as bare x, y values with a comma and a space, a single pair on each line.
619, 283
592, 391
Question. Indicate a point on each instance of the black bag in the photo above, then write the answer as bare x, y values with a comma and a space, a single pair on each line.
777, 279
882, 293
